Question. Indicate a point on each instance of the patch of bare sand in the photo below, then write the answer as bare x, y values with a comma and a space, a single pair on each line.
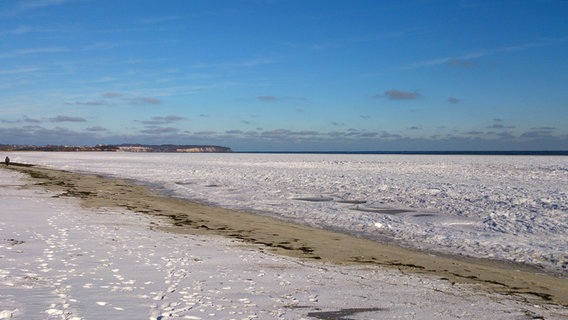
296, 240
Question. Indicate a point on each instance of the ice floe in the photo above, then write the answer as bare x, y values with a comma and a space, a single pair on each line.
503, 207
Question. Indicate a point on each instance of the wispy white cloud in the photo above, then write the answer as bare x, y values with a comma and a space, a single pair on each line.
26, 5
349, 41
18, 71
240, 64
103, 45
32, 51
467, 59
25, 29
462, 59
536, 44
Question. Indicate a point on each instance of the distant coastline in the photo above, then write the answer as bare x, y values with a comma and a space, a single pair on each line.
120, 148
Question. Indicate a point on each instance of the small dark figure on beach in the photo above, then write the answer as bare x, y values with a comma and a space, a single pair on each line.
7, 161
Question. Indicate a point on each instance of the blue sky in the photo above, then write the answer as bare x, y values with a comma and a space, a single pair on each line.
287, 75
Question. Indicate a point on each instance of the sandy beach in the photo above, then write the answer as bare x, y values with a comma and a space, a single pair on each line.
298, 241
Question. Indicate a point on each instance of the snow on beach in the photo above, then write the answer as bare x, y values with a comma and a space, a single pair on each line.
503, 207
60, 261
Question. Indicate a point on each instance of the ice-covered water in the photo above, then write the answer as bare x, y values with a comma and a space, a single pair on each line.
503, 207
61, 261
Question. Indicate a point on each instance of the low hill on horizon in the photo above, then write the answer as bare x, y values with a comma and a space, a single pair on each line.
119, 148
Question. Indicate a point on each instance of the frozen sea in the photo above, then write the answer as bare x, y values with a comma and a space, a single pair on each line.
60, 261
511, 208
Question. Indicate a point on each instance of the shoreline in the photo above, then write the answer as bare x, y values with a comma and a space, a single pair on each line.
295, 240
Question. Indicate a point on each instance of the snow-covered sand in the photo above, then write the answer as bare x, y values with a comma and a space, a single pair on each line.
61, 261
513, 208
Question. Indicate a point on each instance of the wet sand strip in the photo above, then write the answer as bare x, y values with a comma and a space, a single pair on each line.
296, 240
